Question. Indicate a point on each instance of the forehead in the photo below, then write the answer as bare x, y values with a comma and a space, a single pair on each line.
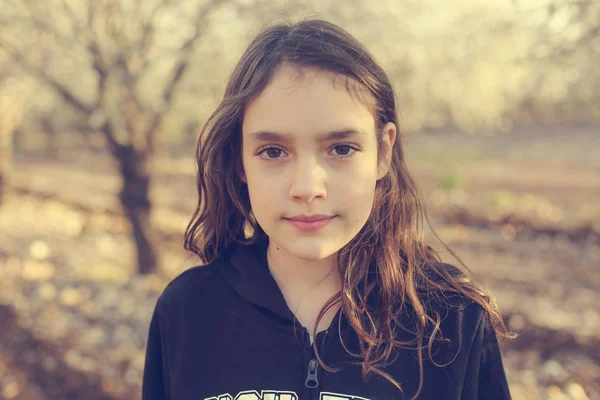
306, 101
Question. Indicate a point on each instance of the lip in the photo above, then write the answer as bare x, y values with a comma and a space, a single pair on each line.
310, 226
310, 218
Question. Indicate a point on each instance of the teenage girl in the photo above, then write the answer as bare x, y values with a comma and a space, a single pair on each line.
315, 281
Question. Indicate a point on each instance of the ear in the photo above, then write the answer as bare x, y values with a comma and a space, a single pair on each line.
388, 138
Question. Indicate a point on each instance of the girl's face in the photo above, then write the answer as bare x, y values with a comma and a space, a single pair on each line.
292, 168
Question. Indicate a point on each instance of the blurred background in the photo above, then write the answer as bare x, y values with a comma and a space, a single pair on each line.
100, 102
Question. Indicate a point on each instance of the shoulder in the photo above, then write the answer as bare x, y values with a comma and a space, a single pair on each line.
453, 270
462, 316
440, 286
191, 286
438, 274
449, 292
469, 309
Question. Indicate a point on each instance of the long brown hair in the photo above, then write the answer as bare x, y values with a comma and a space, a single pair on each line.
407, 270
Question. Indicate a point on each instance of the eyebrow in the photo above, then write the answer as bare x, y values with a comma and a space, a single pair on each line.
267, 136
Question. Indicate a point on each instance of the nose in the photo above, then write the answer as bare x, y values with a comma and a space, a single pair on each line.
308, 180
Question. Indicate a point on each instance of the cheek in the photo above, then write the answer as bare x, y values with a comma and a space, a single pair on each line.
356, 190
263, 193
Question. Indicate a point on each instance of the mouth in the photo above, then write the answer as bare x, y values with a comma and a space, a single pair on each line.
310, 225
312, 218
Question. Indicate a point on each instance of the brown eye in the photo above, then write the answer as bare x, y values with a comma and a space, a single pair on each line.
272, 152
346, 147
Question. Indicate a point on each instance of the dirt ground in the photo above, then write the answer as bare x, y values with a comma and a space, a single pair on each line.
520, 210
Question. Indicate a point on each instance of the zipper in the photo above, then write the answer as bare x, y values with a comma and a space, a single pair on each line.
312, 378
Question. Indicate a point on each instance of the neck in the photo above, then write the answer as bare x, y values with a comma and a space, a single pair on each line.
310, 282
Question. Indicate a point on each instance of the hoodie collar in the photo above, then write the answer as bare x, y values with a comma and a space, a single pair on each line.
248, 274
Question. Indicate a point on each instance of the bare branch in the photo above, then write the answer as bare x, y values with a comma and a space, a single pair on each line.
112, 141
40, 73
72, 17
147, 26
141, 48
38, 24
148, 31
91, 20
181, 67
91, 14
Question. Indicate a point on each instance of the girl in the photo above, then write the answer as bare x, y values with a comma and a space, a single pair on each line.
316, 283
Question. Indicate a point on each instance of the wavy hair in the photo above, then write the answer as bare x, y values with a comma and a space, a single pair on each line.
408, 273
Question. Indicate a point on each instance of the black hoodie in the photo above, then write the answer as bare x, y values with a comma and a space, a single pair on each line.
223, 331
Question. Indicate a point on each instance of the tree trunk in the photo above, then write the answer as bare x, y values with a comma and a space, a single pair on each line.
134, 196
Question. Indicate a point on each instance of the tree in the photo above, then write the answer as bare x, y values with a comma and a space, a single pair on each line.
565, 52
114, 45
582, 17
